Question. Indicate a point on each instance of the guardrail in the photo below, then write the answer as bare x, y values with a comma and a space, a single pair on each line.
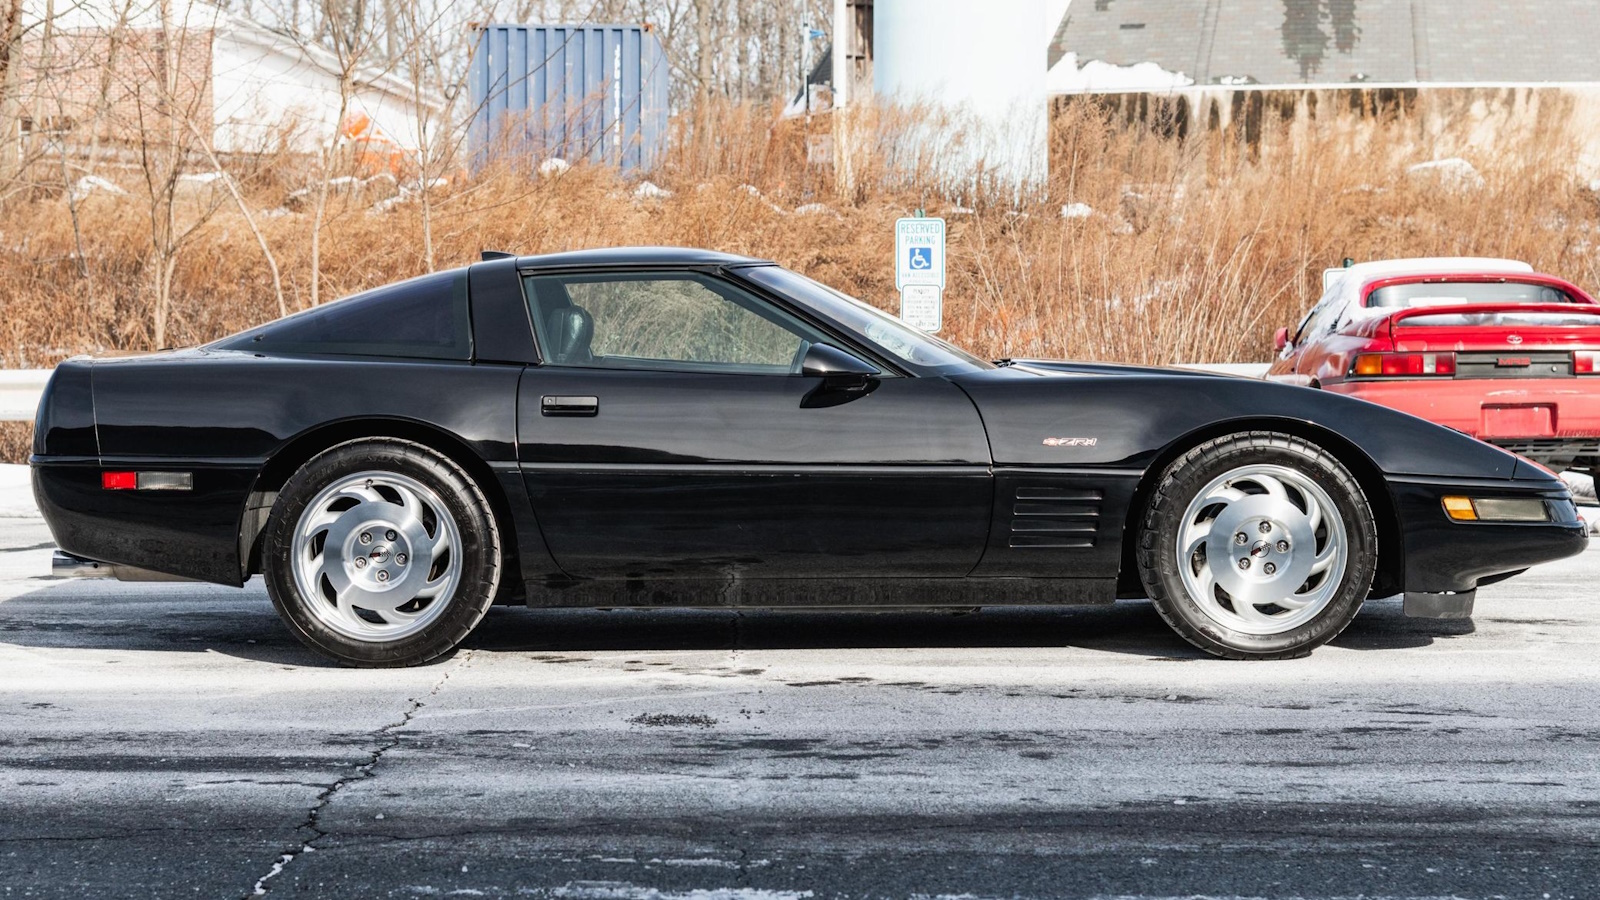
1248, 370
19, 393
20, 388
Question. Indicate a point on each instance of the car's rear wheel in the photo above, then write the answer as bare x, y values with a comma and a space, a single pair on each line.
382, 553
1258, 546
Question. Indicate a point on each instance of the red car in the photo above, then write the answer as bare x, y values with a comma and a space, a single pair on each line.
1485, 346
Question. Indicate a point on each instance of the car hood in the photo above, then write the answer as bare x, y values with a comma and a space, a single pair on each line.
1071, 367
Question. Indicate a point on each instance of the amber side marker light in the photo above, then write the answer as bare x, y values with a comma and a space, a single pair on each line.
1467, 509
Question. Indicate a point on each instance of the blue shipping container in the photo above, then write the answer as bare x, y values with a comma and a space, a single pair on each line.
580, 92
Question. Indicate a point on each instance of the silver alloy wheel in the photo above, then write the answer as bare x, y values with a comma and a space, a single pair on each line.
377, 556
1262, 549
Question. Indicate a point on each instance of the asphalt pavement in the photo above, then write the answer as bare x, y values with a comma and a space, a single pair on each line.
172, 740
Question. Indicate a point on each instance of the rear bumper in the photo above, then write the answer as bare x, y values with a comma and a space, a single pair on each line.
1447, 557
1493, 410
189, 534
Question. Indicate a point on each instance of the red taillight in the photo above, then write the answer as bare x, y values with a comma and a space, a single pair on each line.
1400, 365
119, 481
1586, 362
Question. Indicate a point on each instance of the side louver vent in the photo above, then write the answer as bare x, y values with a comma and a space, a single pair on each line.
1055, 517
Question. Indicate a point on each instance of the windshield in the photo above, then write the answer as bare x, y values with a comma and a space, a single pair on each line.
1461, 292
873, 325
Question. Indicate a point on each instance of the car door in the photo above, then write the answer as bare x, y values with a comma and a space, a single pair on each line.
667, 435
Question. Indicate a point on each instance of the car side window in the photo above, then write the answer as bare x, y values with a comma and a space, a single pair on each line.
683, 321
421, 318
1319, 316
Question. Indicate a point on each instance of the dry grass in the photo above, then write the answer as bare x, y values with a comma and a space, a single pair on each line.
1193, 251
16, 441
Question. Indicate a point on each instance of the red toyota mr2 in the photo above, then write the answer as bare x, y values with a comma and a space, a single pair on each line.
1485, 346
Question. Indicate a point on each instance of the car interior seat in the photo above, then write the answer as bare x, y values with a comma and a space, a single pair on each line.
569, 329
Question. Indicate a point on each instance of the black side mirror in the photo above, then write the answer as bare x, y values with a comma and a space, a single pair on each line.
825, 361
844, 376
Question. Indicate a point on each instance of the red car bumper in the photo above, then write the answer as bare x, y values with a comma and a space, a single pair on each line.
1523, 414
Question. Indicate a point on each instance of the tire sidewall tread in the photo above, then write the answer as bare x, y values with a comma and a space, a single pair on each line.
1158, 563
480, 538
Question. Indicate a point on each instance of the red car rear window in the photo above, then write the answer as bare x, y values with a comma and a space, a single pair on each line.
1462, 292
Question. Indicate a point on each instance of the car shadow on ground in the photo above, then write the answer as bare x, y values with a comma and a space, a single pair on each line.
198, 618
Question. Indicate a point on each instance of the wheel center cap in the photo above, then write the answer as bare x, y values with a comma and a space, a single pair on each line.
1260, 549
379, 554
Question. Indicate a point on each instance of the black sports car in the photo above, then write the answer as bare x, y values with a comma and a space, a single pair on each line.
665, 427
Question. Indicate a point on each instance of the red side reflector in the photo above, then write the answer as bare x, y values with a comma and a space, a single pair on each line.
119, 481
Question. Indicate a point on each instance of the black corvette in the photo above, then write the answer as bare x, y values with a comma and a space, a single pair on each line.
669, 427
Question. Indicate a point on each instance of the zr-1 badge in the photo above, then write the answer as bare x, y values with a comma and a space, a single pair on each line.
1070, 442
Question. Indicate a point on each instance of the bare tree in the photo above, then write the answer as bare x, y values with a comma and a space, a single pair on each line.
10, 82
167, 94
351, 39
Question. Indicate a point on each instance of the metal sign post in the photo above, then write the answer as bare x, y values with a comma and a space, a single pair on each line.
919, 271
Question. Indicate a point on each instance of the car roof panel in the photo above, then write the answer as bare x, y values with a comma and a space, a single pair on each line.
669, 257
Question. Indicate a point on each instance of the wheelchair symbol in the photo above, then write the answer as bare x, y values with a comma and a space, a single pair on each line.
920, 258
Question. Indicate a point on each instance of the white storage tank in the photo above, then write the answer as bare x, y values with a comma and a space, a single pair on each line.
984, 63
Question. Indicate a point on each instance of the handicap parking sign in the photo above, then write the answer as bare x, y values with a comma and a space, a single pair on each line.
919, 252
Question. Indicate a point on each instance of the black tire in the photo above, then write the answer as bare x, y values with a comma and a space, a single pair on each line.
480, 552
1158, 555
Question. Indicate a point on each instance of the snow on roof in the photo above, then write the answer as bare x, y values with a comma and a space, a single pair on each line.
1095, 75
1278, 43
1350, 281
1431, 265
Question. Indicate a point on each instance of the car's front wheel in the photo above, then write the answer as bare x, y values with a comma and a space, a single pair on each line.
382, 553
1258, 546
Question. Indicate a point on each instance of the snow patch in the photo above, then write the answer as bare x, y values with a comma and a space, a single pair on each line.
755, 192
1095, 75
277, 868
88, 184
16, 493
554, 166
1455, 173
649, 190
623, 890
1077, 211
1582, 487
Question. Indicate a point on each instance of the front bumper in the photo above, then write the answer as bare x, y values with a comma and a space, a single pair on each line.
1448, 557
1493, 410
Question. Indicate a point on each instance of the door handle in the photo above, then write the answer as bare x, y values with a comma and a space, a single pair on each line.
569, 406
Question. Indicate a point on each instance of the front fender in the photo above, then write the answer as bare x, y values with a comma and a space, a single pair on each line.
1126, 417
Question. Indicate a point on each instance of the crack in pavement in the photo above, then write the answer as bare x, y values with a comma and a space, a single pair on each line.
388, 739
